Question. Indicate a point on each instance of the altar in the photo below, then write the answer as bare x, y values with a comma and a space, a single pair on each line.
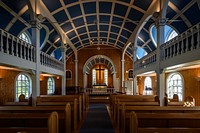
99, 88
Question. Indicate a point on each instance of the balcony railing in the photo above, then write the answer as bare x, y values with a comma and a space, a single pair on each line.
49, 61
182, 44
146, 60
14, 46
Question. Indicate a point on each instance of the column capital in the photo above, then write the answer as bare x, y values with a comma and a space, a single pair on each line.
35, 24
75, 60
160, 22
122, 60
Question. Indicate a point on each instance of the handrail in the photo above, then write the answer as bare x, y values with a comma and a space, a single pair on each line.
181, 44
12, 45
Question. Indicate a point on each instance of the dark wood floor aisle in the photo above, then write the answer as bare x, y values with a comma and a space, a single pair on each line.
97, 120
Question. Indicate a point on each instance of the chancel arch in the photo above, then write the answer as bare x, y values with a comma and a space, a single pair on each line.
98, 66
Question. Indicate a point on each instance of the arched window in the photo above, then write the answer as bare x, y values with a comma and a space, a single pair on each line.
148, 86
93, 76
23, 86
175, 86
50, 85
25, 37
106, 76
140, 52
168, 35
171, 35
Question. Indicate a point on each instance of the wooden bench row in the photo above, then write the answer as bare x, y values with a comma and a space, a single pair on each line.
126, 110
116, 102
43, 122
164, 122
11, 116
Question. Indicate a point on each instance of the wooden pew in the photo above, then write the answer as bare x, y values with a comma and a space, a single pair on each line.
61, 100
134, 100
120, 105
126, 110
29, 122
164, 122
172, 102
64, 112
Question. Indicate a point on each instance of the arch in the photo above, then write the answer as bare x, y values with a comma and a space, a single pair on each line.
98, 59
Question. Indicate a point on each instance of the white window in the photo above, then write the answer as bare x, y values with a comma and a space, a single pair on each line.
93, 76
106, 76
148, 86
50, 85
23, 86
25, 37
175, 86
169, 34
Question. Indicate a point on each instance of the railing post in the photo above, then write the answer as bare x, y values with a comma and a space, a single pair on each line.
198, 35
6, 49
192, 39
1, 43
182, 43
12, 45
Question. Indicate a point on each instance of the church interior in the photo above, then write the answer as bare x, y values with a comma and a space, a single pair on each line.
134, 62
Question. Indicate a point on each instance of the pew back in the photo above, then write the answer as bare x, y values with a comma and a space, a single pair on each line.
156, 122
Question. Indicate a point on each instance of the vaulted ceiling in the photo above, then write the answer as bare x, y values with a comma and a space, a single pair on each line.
94, 22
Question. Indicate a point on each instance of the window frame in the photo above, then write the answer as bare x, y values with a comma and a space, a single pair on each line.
181, 97
52, 86
16, 86
27, 38
148, 92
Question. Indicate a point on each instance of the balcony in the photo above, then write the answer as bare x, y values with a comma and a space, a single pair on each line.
185, 48
16, 52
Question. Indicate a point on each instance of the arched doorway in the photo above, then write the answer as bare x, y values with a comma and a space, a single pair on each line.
99, 63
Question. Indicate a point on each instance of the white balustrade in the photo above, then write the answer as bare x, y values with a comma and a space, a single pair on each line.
14, 46
181, 44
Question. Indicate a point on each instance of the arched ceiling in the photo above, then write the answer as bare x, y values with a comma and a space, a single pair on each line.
94, 22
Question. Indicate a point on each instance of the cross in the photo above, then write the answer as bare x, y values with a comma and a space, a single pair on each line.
99, 69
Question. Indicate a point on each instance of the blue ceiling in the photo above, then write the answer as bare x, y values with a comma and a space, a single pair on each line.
91, 22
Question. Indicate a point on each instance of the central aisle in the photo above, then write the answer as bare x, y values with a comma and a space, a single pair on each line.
98, 120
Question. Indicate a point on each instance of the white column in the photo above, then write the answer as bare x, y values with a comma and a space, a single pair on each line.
64, 71
123, 73
36, 73
134, 76
135, 91
159, 72
76, 72
115, 84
